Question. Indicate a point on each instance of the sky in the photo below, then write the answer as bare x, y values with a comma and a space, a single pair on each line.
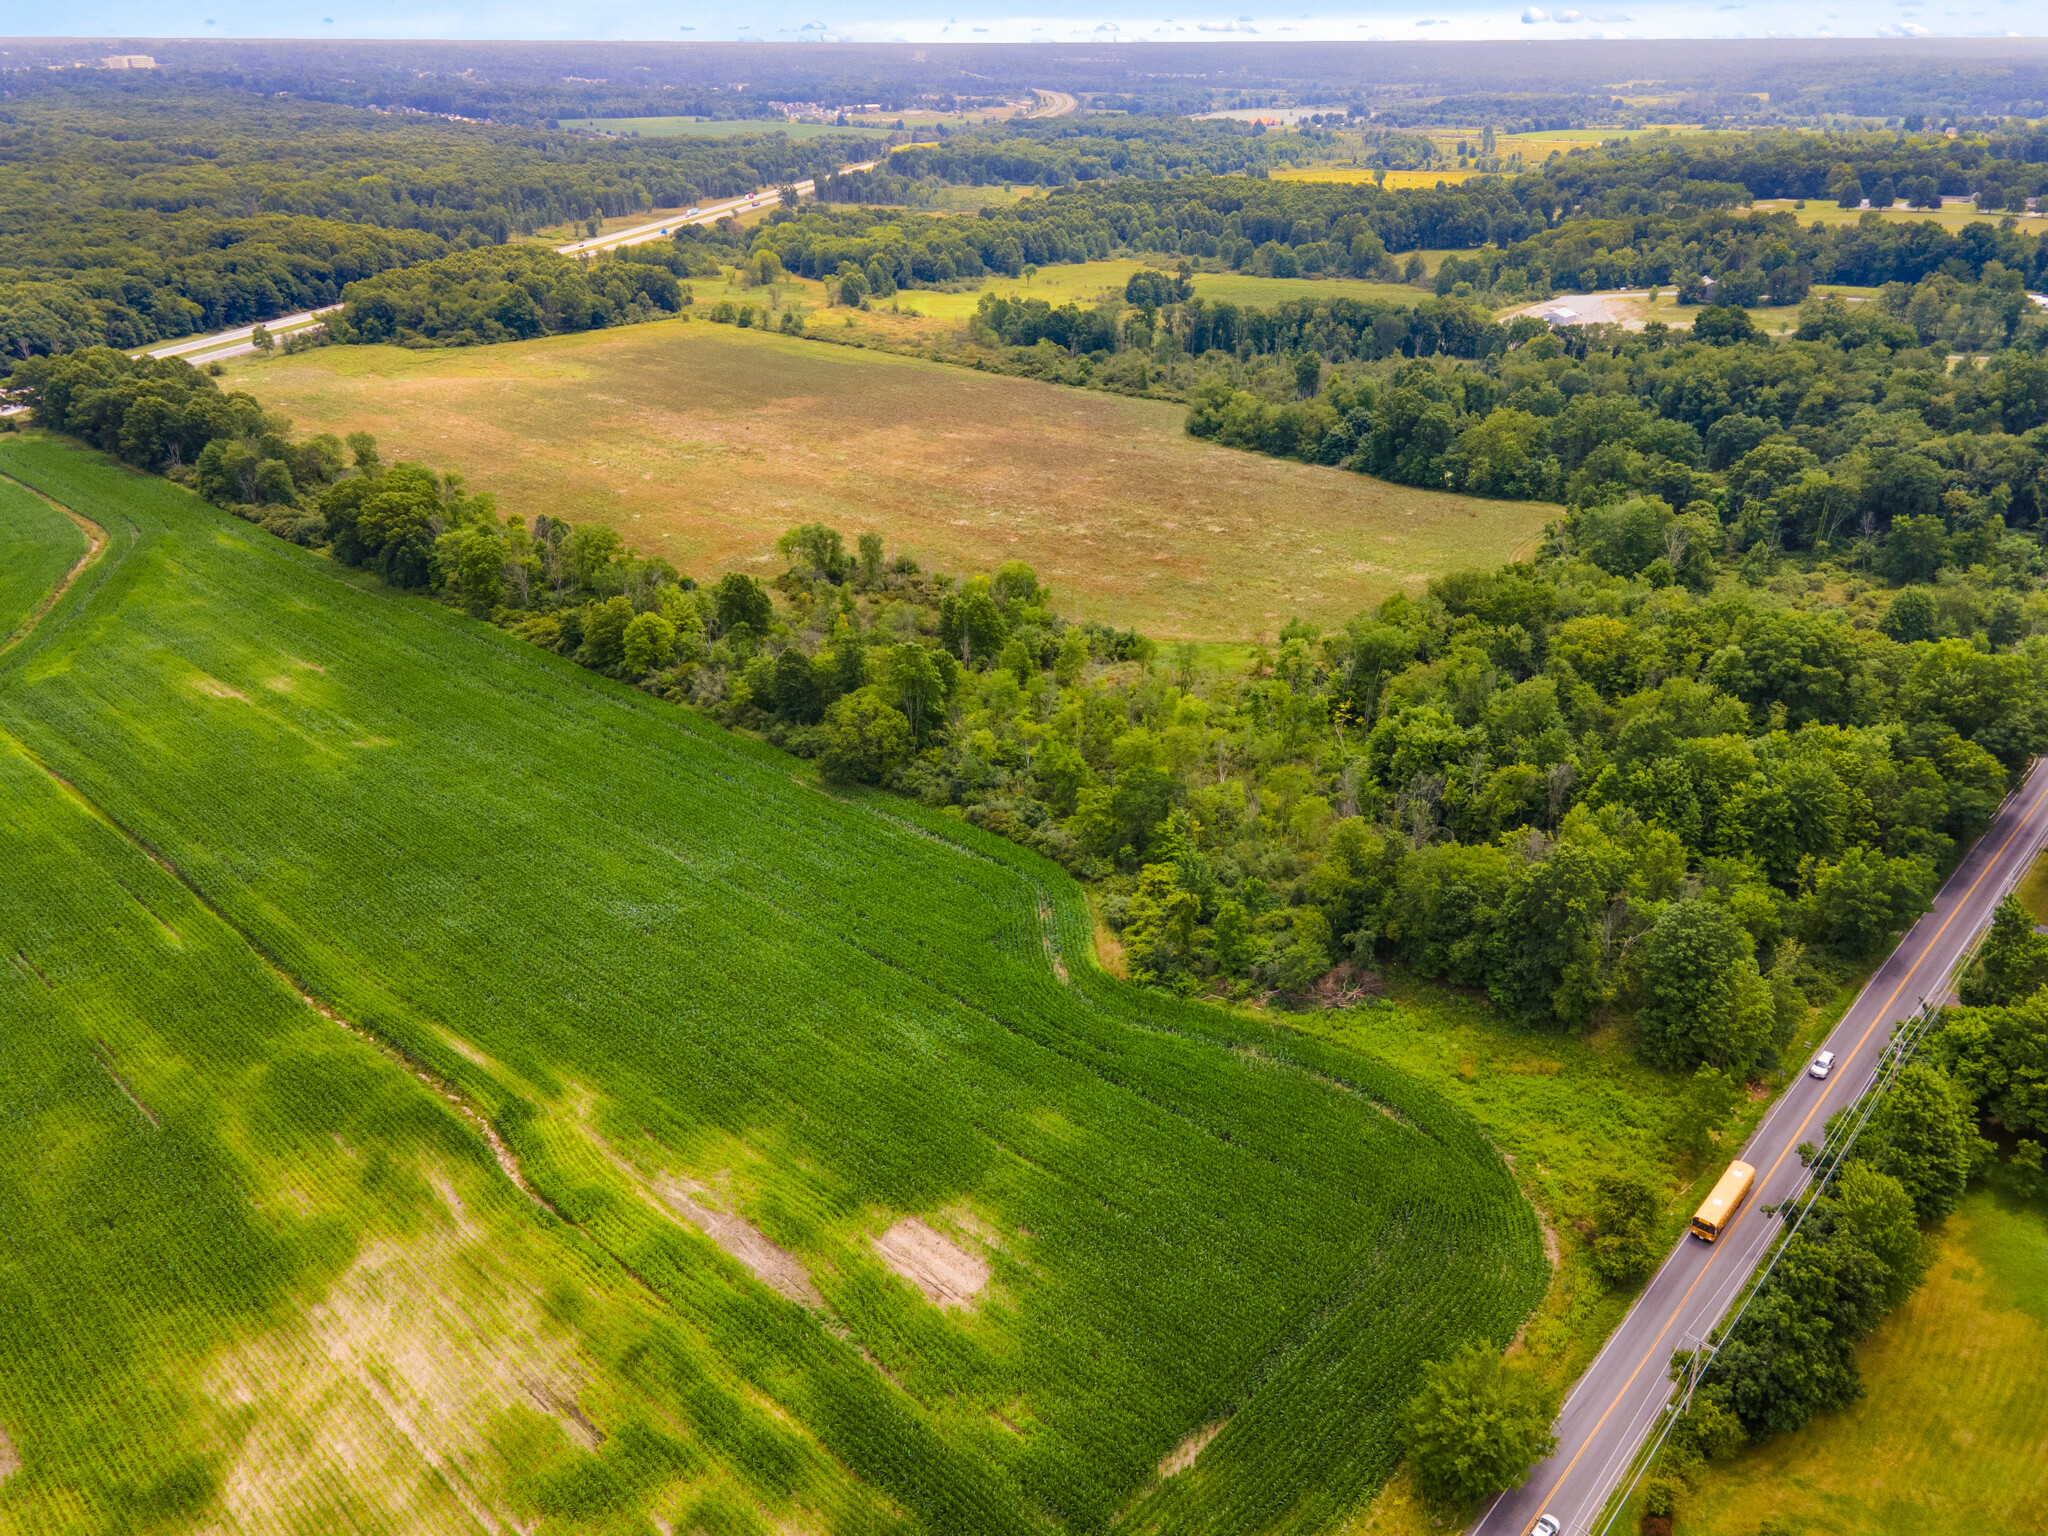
917, 22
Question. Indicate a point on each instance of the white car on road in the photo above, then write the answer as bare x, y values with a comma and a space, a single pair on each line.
1546, 1525
1823, 1064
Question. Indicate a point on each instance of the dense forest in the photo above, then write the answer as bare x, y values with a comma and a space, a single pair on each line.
1062, 150
511, 293
129, 216
1853, 428
130, 220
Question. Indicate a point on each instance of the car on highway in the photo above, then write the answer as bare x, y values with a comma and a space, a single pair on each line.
688, 211
1823, 1064
1546, 1525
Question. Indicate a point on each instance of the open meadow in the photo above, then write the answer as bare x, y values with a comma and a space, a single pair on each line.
1953, 216
703, 443
1079, 282
440, 1087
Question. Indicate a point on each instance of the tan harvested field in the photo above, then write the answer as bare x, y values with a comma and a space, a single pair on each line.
703, 442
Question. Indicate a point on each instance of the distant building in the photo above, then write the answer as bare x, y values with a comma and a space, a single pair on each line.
128, 61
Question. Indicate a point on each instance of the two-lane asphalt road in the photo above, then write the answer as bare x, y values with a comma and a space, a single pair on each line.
1616, 1403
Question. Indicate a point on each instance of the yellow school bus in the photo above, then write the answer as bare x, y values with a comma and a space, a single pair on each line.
1724, 1202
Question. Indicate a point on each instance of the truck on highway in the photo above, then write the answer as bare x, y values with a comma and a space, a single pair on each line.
1720, 1207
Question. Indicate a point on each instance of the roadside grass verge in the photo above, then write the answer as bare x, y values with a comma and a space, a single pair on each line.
40, 544
1949, 1437
2033, 889
1563, 1110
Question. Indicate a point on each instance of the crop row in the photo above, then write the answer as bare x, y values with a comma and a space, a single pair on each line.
842, 1001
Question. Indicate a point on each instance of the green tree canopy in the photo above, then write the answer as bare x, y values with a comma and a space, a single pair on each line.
1478, 1424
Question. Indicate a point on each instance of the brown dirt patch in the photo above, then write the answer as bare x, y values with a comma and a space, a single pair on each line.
391, 1380
10, 1458
702, 443
773, 1265
770, 1263
1109, 949
1182, 1456
948, 1274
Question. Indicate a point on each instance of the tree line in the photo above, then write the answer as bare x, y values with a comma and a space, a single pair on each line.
1661, 209
1564, 782
510, 293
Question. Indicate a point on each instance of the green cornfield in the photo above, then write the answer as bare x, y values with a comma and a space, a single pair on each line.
656, 958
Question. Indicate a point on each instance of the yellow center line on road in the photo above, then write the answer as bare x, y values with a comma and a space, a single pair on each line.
1926, 949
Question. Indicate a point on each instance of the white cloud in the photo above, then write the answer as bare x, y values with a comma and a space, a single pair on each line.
1567, 16
1531, 16
1226, 26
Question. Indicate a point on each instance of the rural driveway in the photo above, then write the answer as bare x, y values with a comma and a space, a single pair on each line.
1616, 1403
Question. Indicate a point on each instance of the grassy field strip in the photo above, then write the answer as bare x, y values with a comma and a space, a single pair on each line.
2033, 890
827, 1022
47, 547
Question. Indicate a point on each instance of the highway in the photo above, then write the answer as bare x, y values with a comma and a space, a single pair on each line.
235, 341
1616, 1403
708, 213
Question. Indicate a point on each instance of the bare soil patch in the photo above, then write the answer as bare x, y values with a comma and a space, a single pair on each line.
213, 687
10, 1458
773, 1265
702, 443
391, 1379
948, 1274
1182, 1456
770, 1263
